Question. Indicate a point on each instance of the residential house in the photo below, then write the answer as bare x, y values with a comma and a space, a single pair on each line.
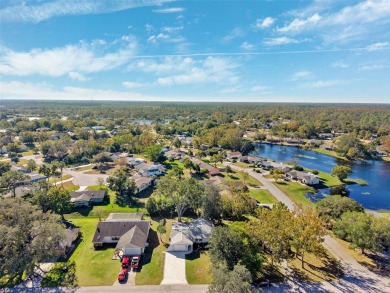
327, 147
56, 136
215, 181
303, 177
129, 233
211, 170
274, 165
295, 141
132, 162
149, 170
87, 197
325, 136
185, 234
250, 159
98, 127
143, 183
68, 244
177, 155
233, 155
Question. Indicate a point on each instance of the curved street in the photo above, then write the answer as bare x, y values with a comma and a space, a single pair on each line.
356, 277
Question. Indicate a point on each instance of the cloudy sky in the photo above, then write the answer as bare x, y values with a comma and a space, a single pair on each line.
160, 50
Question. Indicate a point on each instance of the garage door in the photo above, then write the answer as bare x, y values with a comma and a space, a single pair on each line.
132, 251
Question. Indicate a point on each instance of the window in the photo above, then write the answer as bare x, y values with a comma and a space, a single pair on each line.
115, 238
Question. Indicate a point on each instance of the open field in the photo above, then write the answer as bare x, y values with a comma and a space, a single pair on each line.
198, 268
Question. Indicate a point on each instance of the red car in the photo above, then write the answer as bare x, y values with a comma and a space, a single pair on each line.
122, 274
125, 262
135, 262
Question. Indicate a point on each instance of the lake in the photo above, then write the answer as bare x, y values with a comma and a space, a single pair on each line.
375, 196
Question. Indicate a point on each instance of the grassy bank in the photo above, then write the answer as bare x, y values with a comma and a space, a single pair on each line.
296, 191
329, 153
262, 196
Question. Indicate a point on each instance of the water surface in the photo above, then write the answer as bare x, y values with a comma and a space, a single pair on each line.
376, 173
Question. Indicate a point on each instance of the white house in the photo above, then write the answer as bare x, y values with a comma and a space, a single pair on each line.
303, 177
148, 170
135, 161
184, 235
143, 183
233, 155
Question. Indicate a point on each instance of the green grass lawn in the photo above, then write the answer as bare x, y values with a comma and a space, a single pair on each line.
262, 196
387, 159
296, 192
28, 153
22, 162
58, 179
85, 168
93, 267
236, 176
106, 208
198, 268
329, 153
328, 180
69, 186
152, 263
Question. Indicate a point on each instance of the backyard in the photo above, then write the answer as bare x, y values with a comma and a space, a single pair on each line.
198, 268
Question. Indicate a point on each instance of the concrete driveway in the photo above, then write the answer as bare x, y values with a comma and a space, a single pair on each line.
174, 268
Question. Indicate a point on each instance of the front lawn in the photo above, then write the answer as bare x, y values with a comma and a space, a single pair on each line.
237, 176
93, 267
296, 192
262, 196
198, 268
329, 180
152, 263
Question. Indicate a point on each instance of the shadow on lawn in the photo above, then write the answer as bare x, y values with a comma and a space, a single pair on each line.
153, 243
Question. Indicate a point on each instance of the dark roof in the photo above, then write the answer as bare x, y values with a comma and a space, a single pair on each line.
117, 229
133, 238
71, 236
89, 193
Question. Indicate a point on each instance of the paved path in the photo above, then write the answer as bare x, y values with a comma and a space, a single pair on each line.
356, 277
276, 192
174, 268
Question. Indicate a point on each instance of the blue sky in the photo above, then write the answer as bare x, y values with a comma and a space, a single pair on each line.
156, 50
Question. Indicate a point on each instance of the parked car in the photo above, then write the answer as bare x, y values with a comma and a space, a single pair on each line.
135, 262
122, 274
125, 262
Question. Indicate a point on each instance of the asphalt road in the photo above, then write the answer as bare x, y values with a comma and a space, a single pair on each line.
356, 277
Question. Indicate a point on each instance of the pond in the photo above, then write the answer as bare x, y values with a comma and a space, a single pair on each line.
376, 195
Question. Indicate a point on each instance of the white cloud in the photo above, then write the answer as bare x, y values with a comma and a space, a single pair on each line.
264, 23
80, 58
209, 70
321, 83
77, 76
247, 46
299, 75
298, 24
169, 10
281, 41
27, 90
234, 34
36, 11
258, 88
132, 85
171, 29
340, 64
378, 46
371, 67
